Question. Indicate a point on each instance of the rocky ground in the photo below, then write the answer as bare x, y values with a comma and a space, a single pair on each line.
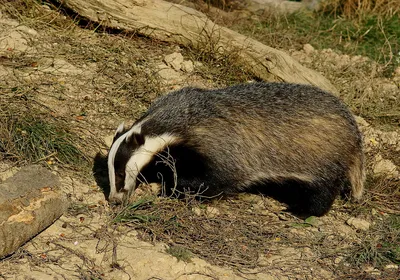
93, 81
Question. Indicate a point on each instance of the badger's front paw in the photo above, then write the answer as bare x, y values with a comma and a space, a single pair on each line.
117, 198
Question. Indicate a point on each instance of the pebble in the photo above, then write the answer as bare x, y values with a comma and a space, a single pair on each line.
358, 223
174, 60
308, 49
187, 66
391, 267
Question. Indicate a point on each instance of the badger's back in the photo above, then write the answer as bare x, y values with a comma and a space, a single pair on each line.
261, 134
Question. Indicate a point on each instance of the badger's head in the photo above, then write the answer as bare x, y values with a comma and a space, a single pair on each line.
130, 152
122, 171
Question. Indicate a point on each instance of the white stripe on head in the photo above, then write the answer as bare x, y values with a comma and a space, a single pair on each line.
137, 128
143, 156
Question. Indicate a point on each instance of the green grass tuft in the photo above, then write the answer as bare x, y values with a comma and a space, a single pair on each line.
181, 253
130, 214
381, 246
37, 139
27, 137
371, 35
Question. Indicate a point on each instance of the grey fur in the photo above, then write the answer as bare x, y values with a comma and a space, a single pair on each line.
262, 134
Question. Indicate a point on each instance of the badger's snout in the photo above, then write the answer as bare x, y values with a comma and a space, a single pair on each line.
117, 198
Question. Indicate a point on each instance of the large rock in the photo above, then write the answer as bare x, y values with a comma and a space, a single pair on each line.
29, 202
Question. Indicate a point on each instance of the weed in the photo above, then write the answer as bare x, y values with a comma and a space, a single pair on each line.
381, 245
37, 139
180, 252
371, 36
28, 134
234, 238
360, 8
131, 213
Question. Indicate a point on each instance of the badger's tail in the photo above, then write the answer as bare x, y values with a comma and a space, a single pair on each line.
356, 175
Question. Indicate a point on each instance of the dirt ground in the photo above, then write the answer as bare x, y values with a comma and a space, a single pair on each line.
94, 80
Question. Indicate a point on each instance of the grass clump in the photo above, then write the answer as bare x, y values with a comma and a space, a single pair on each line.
371, 36
181, 253
31, 140
37, 139
359, 8
381, 245
235, 237
30, 132
131, 213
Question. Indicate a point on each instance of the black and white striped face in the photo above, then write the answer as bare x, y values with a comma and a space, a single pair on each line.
130, 152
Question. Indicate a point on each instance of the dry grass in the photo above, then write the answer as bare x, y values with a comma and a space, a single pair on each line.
383, 195
204, 5
243, 233
360, 8
29, 133
69, 80
234, 236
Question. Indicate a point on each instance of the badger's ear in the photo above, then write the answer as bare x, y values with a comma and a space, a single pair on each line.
119, 131
134, 139
120, 128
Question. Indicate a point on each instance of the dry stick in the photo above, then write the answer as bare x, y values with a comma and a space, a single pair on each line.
380, 24
45, 157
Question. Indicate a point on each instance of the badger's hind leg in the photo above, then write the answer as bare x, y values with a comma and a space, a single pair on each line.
316, 198
303, 198
356, 176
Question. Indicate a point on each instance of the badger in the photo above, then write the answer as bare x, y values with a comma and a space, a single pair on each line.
296, 143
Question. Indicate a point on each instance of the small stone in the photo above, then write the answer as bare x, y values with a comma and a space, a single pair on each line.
27, 30
198, 64
391, 267
169, 75
338, 260
361, 121
358, 223
212, 212
372, 270
384, 167
307, 252
375, 272
326, 274
308, 49
369, 269
397, 72
197, 211
108, 140
187, 66
174, 60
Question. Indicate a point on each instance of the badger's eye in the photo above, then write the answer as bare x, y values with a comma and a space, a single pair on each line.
120, 174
